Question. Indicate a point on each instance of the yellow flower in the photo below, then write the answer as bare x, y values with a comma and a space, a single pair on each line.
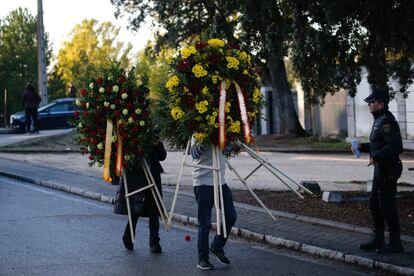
243, 55
202, 106
125, 111
215, 42
214, 79
251, 114
177, 113
172, 82
227, 109
100, 146
200, 136
186, 52
130, 120
199, 71
257, 95
205, 90
124, 96
235, 127
232, 63
245, 72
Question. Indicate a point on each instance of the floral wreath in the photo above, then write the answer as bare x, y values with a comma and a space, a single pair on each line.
113, 123
213, 94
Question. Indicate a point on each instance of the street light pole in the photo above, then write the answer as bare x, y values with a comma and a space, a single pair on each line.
41, 56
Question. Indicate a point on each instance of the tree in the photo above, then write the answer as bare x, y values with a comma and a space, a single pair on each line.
91, 46
334, 39
18, 63
257, 25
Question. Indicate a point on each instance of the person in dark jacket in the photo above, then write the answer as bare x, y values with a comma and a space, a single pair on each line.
143, 203
384, 149
72, 90
30, 103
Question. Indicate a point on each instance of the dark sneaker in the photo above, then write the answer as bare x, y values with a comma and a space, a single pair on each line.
155, 248
372, 245
391, 248
205, 265
220, 256
128, 243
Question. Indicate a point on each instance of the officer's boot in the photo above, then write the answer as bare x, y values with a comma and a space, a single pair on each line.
395, 245
376, 243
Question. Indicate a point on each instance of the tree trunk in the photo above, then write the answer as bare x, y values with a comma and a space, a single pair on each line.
283, 103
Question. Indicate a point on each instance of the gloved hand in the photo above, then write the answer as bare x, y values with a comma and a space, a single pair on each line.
197, 150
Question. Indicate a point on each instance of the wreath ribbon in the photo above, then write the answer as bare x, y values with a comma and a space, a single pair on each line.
107, 153
222, 115
108, 149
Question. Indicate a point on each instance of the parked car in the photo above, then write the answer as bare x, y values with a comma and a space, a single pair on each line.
53, 115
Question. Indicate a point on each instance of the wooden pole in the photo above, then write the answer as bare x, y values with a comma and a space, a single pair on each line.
131, 229
220, 191
177, 187
5, 107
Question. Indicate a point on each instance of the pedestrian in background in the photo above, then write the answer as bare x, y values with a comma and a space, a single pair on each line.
72, 90
30, 103
204, 193
384, 148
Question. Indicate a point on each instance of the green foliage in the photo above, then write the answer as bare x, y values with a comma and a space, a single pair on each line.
258, 26
334, 39
18, 52
91, 47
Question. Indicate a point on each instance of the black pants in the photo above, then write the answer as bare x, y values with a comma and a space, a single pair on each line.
154, 226
205, 200
31, 114
383, 205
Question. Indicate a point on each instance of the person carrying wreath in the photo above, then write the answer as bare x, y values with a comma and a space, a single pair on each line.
143, 203
204, 193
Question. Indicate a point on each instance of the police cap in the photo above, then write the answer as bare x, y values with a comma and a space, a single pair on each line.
378, 94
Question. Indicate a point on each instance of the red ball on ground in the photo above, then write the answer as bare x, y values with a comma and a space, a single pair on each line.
187, 237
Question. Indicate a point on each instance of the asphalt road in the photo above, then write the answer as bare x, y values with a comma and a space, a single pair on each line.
47, 232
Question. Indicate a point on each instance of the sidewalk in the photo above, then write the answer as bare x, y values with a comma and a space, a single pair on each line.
9, 138
290, 231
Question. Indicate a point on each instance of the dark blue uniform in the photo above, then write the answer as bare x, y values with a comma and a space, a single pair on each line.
384, 149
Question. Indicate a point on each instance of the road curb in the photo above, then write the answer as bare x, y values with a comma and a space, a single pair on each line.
237, 232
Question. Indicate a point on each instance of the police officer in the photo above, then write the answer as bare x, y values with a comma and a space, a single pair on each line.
384, 149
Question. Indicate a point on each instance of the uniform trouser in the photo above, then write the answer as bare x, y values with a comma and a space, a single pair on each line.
31, 114
383, 205
153, 223
205, 200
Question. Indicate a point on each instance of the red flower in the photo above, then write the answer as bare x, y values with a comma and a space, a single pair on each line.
214, 59
93, 133
121, 79
108, 89
188, 101
76, 114
99, 81
182, 65
90, 157
83, 92
193, 125
117, 102
134, 129
145, 115
200, 45
234, 45
137, 93
130, 106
